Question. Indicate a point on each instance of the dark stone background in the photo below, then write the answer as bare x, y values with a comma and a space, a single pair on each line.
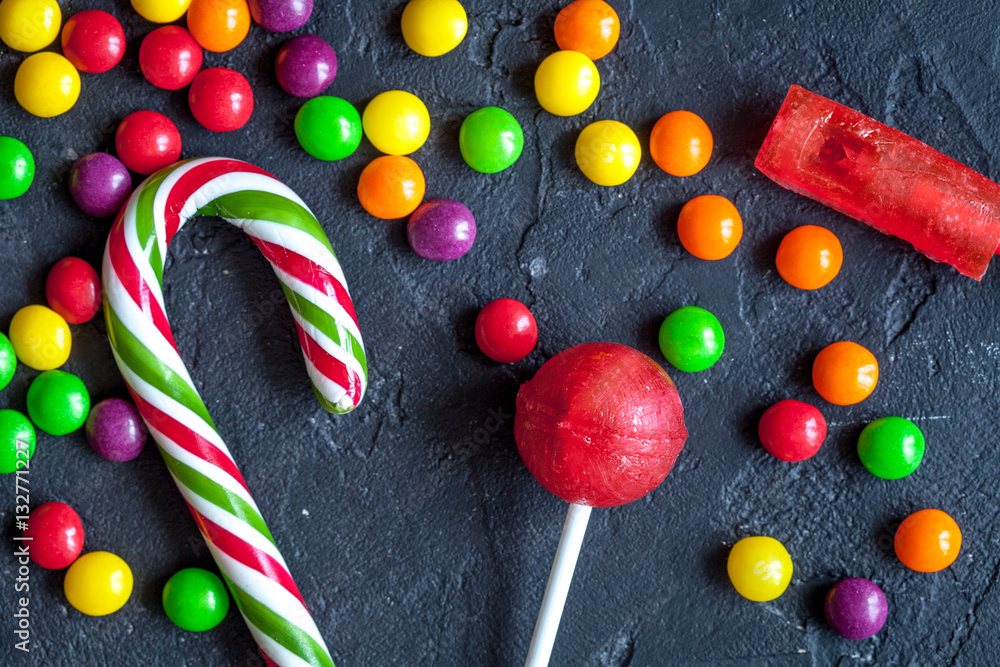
426, 541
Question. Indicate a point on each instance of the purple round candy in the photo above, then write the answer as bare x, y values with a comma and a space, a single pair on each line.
115, 430
99, 184
306, 65
856, 608
441, 229
281, 15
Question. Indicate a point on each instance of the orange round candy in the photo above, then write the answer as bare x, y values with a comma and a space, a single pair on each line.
928, 541
588, 26
681, 143
391, 186
845, 373
710, 227
218, 25
809, 257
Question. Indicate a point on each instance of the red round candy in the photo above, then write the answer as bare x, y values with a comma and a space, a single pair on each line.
221, 99
169, 57
600, 424
147, 141
73, 290
56, 535
506, 331
792, 430
93, 41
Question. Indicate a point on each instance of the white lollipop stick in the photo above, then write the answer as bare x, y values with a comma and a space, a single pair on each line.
558, 587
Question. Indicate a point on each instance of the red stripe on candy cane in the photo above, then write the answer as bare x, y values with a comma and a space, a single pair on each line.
193, 180
331, 367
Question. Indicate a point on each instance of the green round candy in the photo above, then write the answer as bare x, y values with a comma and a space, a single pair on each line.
8, 361
891, 447
58, 402
16, 434
17, 168
490, 140
691, 339
328, 128
195, 599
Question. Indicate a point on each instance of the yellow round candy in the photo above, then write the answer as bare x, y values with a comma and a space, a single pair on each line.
161, 11
29, 25
98, 583
566, 83
608, 152
46, 84
434, 27
396, 122
40, 337
759, 568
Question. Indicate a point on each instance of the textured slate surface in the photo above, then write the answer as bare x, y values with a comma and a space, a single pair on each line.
411, 526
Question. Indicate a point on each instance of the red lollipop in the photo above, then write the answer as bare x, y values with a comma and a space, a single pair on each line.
93, 41
792, 430
221, 99
169, 57
56, 535
599, 425
73, 290
147, 141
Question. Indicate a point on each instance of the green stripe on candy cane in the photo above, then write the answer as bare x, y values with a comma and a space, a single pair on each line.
325, 322
258, 205
145, 225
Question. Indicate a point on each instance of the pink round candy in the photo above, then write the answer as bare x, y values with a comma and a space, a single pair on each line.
305, 66
281, 15
115, 430
99, 184
441, 229
792, 430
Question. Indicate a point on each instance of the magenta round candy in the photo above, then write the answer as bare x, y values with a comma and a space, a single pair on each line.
115, 430
441, 229
305, 66
99, 184
281, 15
856, 608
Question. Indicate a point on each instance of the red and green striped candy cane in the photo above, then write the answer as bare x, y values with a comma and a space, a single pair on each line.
290, 237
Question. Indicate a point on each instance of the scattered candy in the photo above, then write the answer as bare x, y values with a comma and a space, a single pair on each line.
93, 41
99, 184
791, 430
434, 27
40, 337
566, 83
221, 99
588, 26
115, 430
8, 361
691, 339
161, 11
73, 290
928, 541
809, 257
759, 568
218, 25
17, 168
46, 85
441, 229
328, 128
98, 583
281, 15
681, 143
195, 599
17, 441
490, 140
58, 402
608, 152
891, 447
710, 227
147, 141
391, 186
305, 66
29, 25
396, 122
56, 535
170, 58
506, 331
845, 373
855, 608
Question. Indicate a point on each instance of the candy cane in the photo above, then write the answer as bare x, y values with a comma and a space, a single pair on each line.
294, 243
